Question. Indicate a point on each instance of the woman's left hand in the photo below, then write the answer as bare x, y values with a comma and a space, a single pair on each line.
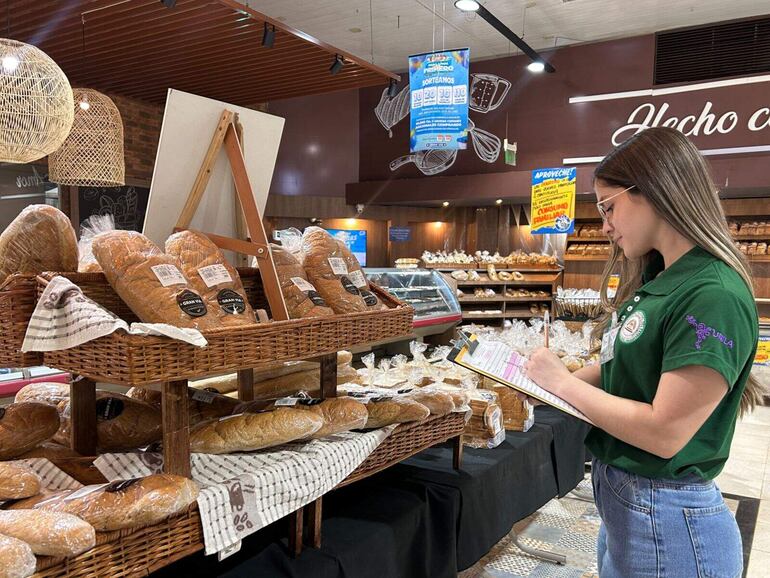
546, 369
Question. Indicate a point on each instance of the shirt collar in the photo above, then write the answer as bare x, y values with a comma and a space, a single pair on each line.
660, 281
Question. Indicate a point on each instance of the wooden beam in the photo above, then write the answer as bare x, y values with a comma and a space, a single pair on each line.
83, 416
176, 428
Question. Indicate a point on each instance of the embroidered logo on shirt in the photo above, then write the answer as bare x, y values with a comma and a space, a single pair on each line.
633, 327
702, 331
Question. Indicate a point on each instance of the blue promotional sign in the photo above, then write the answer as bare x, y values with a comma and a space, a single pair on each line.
355, 241
438, 117
398, 234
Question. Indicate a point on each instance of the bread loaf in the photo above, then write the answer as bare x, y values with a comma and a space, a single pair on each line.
339, 414
147, 395
49, 533
16, 558
211, 277
221, 383
55, 534
138, 270
24, 426
301, 297
358, 278
50, 451
17, 481
124, 504
44, 392
121, 422
253, 431
438, 402
387, 411
202, 405
40, 239
327, 270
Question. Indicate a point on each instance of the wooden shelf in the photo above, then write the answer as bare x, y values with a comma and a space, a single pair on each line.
504, 299
588, 239
758, 258
496, 298
586, 257
482, 316
762, 237
524, 283
524, 268
521, 314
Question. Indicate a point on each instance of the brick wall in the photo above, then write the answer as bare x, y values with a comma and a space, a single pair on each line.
141, 132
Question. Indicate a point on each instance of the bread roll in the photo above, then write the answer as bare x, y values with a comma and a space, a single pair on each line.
25, 425
438, 402
253, 431
16, 558
358, 278
339, 414
121, 422
211, 277
49, 533
17, 481
124, 504
327, 270
134, 266
44, 392
40, 239
302, 298
387, 411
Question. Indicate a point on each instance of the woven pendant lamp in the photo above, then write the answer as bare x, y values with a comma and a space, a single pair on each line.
92, 155
35, 103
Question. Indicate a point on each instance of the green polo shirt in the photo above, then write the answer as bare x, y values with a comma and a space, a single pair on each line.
697, 312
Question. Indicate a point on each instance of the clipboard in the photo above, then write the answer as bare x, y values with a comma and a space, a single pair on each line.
502, 364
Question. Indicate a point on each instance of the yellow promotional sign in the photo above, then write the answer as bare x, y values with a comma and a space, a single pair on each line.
612, 285
762, 356
553, 200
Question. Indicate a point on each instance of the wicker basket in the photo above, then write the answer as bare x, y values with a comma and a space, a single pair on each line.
134, 552
135, 360
405, 441
17, 302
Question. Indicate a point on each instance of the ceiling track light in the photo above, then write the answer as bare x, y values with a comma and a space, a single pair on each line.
337, 65
392, 88
168, 3
268, 36
538, 62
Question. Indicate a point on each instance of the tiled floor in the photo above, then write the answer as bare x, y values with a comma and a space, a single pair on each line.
746, 475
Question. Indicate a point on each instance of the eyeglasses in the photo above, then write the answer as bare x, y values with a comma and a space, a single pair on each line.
602, 210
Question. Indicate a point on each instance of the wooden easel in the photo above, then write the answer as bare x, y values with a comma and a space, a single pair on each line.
226, 134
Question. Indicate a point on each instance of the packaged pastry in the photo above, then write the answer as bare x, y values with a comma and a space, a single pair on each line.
212, 277
40, 239
327, 271
301, 297
151, 282
24, 426
49, 533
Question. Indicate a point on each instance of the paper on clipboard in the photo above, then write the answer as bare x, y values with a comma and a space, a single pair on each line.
499, 362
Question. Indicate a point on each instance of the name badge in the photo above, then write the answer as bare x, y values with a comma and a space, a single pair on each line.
608, 341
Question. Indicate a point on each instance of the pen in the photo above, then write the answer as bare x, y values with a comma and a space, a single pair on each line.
546, 326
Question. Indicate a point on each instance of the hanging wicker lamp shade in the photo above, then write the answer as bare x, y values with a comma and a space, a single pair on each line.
92, 155
35, 103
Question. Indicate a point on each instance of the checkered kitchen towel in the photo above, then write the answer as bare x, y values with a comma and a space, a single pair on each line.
243, 493
65, 318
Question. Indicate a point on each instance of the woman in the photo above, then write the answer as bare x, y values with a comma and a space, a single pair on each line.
675, 365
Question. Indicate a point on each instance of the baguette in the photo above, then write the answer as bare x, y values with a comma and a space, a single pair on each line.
339, 414
211, 277
49, 533
387, 411
24, 426
44, 392
202, 405
17, 481
253, 431
16, 558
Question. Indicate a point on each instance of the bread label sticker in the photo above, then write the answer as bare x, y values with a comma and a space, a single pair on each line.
349, 287
369, 298
191, 303
168, 275
231, 302
358, 279
214, 275
204, 396
120, 485
2, 411
310, 401
302, 284
286, 401
338, 265
108, 408
317, 300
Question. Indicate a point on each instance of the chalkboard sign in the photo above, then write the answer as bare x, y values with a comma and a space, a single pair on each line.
128, 204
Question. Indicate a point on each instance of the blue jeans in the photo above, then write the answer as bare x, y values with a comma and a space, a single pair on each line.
663, 528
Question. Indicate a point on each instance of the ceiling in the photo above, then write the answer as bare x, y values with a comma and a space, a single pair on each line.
404, 27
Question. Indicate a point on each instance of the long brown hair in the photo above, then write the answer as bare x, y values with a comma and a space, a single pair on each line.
669, 171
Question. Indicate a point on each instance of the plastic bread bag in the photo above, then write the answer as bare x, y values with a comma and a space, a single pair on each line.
291, 241
40, 239
92, 226
327, 271
358, 278
151, 282
340, 414
212, 277
437, 401
48, 533
301, 297
368, 361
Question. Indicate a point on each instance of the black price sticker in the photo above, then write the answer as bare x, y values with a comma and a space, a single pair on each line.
369, 298
191, 303
316, 299
109, 408
231, 302
349, 287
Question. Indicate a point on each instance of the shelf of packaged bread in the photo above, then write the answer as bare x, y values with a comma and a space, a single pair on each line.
569, 257
761, 237
523, 314
588, 239
758, 258
500, 299
523, 268
531, 279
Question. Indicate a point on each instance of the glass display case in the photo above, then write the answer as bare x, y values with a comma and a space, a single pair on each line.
436, 308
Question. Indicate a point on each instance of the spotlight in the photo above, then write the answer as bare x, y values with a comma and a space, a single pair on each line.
10, 64
536, 66
168, 3
337, 65
268, 36
467, 5
392, 88
445, 204
499, 202
84, 104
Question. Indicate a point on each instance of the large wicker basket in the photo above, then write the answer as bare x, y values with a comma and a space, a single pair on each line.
17, 302
134, 360
134, 552
405, 441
